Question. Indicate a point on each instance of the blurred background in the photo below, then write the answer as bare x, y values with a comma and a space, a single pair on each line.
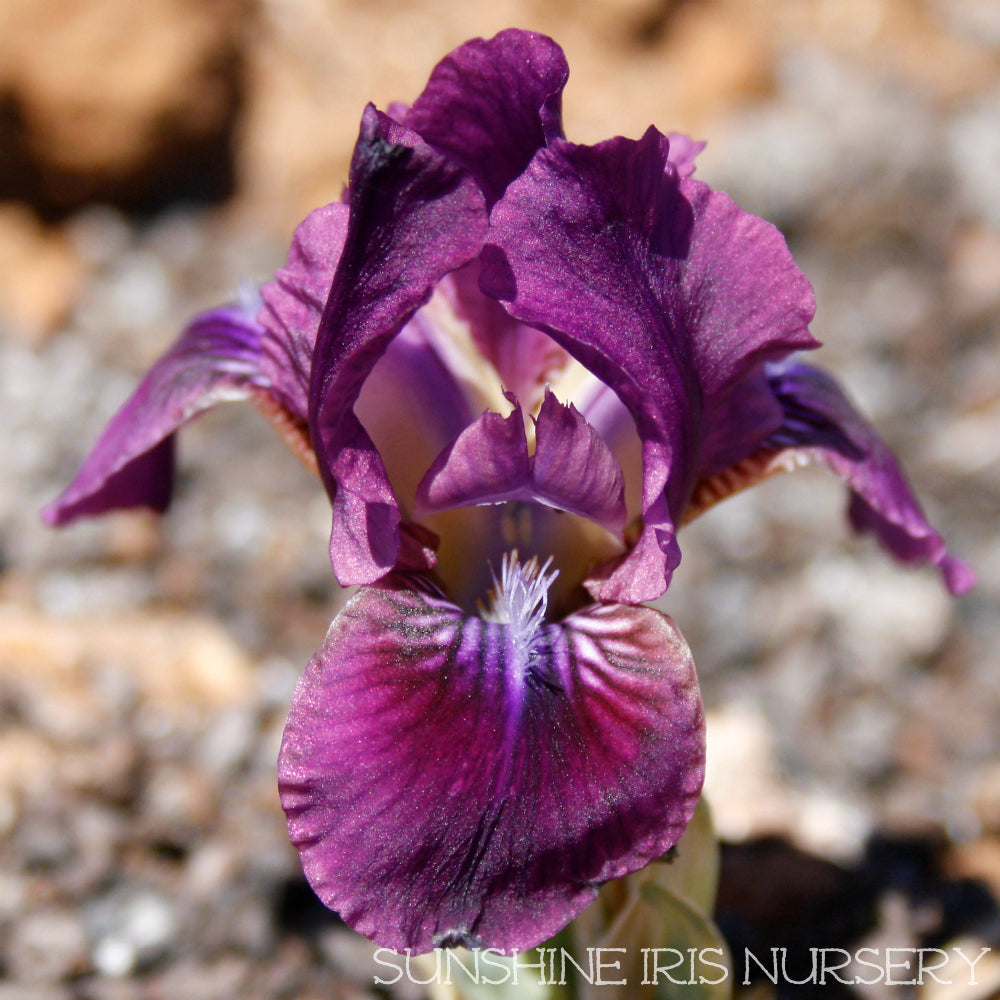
154, 157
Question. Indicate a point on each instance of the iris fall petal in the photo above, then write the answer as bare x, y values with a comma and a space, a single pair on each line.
448, 781
822, 427
216, 359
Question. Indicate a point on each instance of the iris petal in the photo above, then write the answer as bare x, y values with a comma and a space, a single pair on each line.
294, 301
822, 427
414, 216
664, 289
682, 153
525, 359
736, 421
444, 789
487, 463
413, 404
572, 469
491, 103
217, 358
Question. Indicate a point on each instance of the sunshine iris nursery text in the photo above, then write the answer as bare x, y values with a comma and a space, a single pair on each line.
684, 967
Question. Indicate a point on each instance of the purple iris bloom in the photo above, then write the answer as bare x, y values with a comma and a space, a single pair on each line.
518, 365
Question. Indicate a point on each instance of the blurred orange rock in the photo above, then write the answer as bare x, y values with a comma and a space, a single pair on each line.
40, 275
109, 99
178, 663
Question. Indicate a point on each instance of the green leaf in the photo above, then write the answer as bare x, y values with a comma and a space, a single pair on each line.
693, 870
705, 972
458, 974
660, 916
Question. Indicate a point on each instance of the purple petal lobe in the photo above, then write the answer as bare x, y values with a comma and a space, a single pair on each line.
293, 305
491, 103
821, 426
683, 150
446, 786
414, 216
217, 358
665, 290
572, 469
487, 463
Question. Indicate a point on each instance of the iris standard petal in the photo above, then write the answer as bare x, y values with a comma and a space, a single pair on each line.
491, 103
525, 359
445, 786
414, 216
412, 375
217, 358
293, 305
665, 290
822, 427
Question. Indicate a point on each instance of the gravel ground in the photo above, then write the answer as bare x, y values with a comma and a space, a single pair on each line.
854, 734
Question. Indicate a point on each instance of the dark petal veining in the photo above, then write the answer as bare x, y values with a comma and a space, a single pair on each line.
444, 789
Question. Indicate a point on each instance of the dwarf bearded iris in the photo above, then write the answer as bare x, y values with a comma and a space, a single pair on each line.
518, 365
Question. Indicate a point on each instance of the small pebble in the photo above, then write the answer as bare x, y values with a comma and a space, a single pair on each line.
47, 946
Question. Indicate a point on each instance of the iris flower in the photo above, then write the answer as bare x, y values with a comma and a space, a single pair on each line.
518, 365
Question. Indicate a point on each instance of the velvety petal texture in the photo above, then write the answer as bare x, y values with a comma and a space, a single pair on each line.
414, 216
822, 427
491, 103
664, 289
452, 781
217, 358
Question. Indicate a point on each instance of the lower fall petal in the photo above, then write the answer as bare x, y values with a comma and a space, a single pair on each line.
449, 782
217, 358
822, 427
